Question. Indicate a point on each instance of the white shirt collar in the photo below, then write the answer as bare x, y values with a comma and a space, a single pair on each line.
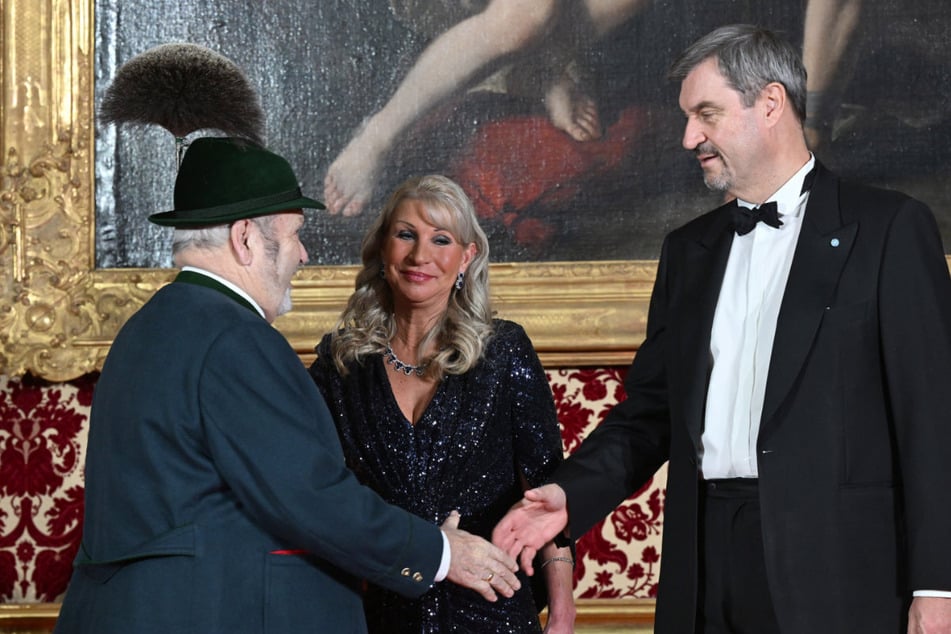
225, 282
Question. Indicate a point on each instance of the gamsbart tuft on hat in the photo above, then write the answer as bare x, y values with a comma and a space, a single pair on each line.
223, 179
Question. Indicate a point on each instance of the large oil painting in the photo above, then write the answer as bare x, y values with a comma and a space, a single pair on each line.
559, 121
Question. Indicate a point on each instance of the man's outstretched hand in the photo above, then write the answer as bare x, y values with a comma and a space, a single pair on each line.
477, 564
531, 523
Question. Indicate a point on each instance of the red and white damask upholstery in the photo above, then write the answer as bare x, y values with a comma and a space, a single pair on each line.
620, 556
42, 450
43, 430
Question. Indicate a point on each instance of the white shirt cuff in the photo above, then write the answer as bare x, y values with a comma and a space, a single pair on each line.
932, 593
446, 558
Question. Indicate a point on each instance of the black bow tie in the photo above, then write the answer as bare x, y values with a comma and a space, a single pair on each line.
745, 219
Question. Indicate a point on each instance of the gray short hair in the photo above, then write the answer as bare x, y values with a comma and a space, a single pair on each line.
201, 238
218, 235
749, 58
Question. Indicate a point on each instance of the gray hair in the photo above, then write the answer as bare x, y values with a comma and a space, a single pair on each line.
201, 238
366, 325
749, 58
218, 235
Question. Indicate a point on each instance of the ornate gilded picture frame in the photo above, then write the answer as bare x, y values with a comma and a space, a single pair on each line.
59, 312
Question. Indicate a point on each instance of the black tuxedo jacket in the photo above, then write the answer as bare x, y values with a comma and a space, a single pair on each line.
855, 437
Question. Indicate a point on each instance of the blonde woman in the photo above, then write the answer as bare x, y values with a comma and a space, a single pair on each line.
441, 408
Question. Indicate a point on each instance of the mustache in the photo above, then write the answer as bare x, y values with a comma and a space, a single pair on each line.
706, 148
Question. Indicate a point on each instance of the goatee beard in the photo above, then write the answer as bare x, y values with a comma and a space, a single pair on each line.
286, 303
716, 183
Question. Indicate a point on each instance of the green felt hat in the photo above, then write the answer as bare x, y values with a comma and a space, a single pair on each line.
222, 180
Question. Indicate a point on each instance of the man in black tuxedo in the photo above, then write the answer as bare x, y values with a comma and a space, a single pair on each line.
797, 376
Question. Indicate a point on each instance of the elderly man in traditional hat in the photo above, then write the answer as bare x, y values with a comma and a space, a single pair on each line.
217, 498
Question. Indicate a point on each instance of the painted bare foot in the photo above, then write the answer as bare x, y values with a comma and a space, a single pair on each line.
571, 110
351, 178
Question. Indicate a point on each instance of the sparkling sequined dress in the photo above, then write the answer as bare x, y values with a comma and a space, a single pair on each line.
478, 433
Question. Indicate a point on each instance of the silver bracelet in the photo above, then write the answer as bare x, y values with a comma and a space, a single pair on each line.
564, 559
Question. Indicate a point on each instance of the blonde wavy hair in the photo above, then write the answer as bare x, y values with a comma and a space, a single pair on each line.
367, 326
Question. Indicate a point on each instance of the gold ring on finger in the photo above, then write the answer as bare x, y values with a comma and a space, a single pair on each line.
488, 577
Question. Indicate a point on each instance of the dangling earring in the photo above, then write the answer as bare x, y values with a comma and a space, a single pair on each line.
382, 271
459, 279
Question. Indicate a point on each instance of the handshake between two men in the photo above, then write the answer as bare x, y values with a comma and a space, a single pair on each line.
530, 524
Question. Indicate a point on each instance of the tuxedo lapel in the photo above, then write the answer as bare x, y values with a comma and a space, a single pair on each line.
704, 266
821, 252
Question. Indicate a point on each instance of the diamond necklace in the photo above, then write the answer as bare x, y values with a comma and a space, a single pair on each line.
399, 366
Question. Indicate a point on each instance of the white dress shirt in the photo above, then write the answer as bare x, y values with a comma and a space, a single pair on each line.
741, 340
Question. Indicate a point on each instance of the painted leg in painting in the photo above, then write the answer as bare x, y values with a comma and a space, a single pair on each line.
465, 53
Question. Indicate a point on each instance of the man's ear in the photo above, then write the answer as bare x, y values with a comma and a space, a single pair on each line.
241, 241
774, 102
